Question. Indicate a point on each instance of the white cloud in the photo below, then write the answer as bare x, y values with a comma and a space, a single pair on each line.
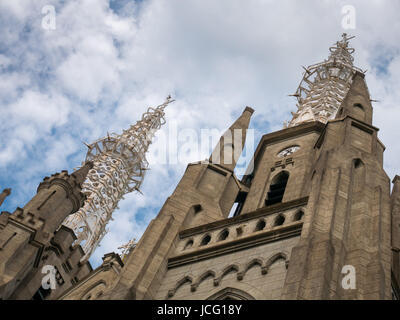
40, 110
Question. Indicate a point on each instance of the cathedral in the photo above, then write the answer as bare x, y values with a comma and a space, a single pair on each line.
314, 218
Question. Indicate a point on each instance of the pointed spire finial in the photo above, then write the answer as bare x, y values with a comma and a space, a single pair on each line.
81, 173
345, 38
167, 101
230, 145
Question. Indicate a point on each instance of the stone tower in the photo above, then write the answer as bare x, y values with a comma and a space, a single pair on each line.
314, 220
32, 237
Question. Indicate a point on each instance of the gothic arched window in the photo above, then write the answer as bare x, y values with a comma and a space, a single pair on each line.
277, 188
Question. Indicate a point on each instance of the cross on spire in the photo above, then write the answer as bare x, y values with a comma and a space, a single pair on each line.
341, 51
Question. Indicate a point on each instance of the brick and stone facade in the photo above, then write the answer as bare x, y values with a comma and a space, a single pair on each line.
335, 210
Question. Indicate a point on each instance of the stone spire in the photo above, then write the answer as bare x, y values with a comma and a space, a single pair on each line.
119, 168
57, 197
81, 174
230, 145
325, 85
29, 232
6, 192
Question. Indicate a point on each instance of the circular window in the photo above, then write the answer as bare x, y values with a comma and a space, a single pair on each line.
288, 151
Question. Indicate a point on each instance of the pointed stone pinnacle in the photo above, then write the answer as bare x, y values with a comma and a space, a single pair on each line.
80, 174
249, 109
6, 192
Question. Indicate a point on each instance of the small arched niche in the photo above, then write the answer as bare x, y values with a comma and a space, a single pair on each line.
260, 225
298, 215
197, 208
279, 220
205, 240
223, 235
358, 163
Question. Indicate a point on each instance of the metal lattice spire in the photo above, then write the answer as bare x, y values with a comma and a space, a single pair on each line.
127, 248
119, 168
324, 85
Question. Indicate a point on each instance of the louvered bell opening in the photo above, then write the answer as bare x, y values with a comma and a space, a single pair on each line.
272, 200
277, 190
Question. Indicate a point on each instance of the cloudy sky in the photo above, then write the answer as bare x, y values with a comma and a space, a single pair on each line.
105, 62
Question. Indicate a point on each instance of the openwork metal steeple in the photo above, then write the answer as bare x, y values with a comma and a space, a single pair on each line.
119, 167
127, 248
324, 85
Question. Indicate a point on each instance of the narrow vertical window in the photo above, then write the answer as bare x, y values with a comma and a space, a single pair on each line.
277, 188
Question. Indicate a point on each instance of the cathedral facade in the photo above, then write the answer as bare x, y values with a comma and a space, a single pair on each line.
315, 215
